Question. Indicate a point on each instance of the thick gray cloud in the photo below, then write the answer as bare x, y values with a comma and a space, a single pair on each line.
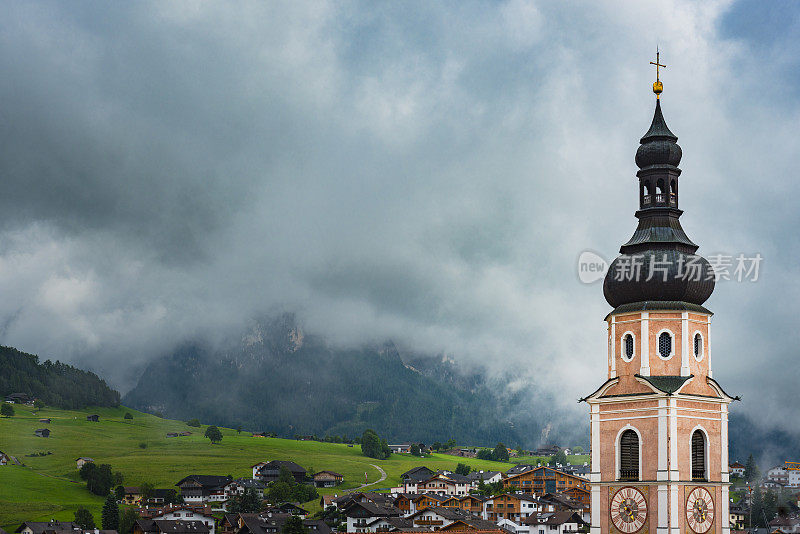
427, 172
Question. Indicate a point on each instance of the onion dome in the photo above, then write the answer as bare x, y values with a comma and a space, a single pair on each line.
658, 264
659, 145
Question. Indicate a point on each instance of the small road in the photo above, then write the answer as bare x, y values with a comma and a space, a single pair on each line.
383, 477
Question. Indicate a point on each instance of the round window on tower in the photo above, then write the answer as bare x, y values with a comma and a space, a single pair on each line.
698, 346
627, 346
665, 344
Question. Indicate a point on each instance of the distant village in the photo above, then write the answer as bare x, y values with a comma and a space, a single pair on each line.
526, 499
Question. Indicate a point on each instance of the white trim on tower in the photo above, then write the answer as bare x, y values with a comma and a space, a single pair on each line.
644, 370
684, 344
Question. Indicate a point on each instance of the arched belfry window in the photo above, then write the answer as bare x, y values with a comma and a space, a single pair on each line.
698, 346
698, 456
629, 455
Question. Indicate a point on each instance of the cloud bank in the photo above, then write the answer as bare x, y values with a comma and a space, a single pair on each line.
427, 172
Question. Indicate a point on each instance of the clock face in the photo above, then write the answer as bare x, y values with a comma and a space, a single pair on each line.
628, 510
699, 510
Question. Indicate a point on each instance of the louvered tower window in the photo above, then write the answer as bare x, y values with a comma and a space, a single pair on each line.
629, 456
665, 344
698, 456
628, 346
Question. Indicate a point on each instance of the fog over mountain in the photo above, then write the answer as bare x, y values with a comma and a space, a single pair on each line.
426, 173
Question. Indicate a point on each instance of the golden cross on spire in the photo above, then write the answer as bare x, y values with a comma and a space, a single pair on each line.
657, 85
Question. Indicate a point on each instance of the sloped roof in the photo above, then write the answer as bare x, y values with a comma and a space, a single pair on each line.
207, 481
668, 384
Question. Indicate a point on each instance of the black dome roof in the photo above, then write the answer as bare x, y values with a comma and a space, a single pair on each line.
659, 263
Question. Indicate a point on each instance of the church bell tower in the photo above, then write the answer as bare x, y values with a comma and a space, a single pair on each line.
659, 423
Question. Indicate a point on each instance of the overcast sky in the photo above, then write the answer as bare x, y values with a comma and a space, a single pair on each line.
427, 172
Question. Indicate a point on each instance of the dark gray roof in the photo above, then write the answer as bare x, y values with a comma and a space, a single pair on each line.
669, 384
277, 464
207, 481
167, 526
38, 527
670, 305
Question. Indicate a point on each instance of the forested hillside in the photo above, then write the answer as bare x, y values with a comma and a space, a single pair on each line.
55, 383
276, 378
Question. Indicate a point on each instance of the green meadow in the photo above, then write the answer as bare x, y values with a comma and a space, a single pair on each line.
48, 487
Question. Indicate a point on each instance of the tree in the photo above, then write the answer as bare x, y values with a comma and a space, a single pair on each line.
119, 493
100, 480
559, 458
127, 415
751, 473
7, 410
577, 449
757, 507
38, 404
294, 525
436, 446
213, 434
247, 502
147, 490
415, 450
462, 469
332, 517
194, 422
450, 443
239, 429
770, 507
500, 453
128, 520
372, 446
84, 519
86, 471
485, 454
279, 491
110, 514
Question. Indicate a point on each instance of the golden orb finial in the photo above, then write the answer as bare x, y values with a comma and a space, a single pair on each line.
658, 87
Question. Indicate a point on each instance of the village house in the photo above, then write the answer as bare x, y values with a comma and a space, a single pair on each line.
196, 489
737, 515
42, 432
19, 398
79, 462
362, 513
288, 508
270, 471
267, 523
488, 477
327, 479
240, 485
437, 517
390, 524
94, 418
442, 483
132, 495
165, 526
4, 458
513, 507
172, 434
475, 504
181, 512
45, 420
544, 479
562, 522
780, 476
475, 525
56, 527
550, 450
403, 448
736, 469
786, 524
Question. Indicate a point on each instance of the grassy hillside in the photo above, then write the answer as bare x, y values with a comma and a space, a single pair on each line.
48, 486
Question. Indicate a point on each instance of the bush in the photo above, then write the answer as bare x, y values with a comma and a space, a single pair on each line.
128, 415
194, 422
373, 446
143, 445
84, 518
6, 410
